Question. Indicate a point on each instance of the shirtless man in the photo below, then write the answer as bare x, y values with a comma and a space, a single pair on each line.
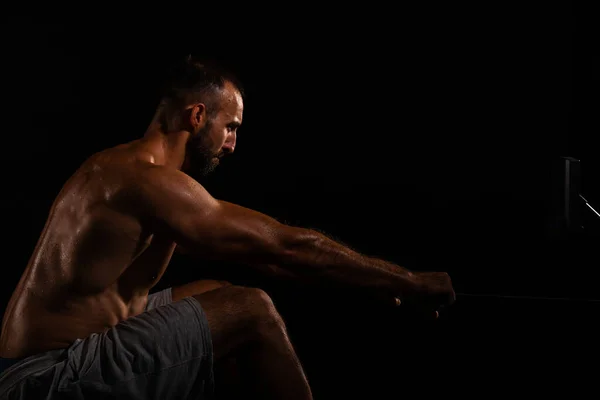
81, 323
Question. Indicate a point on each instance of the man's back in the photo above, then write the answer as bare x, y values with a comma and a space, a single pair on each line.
93, 264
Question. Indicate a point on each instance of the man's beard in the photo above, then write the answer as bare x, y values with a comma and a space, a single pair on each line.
201, 161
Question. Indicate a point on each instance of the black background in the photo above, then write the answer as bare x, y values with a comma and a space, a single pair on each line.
430, 136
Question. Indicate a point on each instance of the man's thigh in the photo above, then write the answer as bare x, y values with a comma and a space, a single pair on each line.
195, 288
164, 353
176, 293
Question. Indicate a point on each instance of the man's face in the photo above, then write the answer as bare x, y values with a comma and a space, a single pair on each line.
216, 137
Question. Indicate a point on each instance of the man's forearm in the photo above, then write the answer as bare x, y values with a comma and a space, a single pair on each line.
310, 254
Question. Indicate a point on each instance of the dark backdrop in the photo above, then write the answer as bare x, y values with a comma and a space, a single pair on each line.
431, 137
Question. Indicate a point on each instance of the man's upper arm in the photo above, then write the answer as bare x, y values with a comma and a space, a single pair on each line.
175, 204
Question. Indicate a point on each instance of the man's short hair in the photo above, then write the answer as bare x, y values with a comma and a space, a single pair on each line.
195, 80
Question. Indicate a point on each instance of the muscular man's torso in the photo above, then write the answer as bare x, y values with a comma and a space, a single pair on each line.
94, 263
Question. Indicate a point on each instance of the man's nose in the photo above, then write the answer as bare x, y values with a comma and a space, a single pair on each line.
229, 145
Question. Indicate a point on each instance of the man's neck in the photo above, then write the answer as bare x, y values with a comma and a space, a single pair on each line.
167, 149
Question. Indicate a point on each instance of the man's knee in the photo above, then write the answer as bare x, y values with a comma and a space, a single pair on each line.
259, 307
239, 315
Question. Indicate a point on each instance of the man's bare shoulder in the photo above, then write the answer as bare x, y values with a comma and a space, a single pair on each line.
142, 182
167, 185
134, 167
149, 176
125, 157
120, 175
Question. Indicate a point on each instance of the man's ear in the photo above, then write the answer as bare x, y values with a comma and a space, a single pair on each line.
197, 115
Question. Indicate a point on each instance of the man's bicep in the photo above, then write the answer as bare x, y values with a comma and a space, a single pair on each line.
183, 209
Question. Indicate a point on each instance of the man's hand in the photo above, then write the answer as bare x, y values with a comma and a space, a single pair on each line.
434, 292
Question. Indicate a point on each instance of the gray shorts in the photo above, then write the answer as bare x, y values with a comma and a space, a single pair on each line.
164, 353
